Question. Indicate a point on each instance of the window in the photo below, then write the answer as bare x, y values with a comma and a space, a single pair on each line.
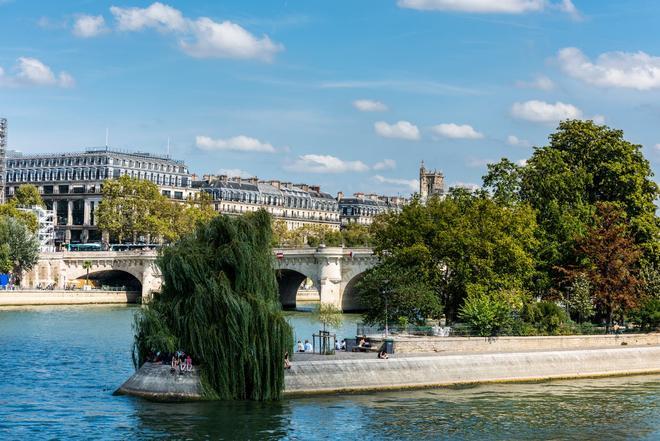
48, 189
63, 189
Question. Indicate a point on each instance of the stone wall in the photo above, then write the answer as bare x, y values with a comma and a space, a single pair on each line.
44, 297
341, 376
414, 344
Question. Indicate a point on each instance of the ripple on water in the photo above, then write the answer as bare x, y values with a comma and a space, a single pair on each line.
66, 361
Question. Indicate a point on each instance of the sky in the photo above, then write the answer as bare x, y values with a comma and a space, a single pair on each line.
347, 94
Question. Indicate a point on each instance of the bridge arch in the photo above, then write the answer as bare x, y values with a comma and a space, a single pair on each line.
288, 282
114, 279
350, 301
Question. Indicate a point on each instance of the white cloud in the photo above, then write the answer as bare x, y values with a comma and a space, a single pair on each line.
385, 164
456, 131
156, 16
540, 111
87, 26
540, 82
598, 119
467, 185
227, 40
369, 106
239, 143
400, 130
33, 72
325, 164
517, 142
490, 6
412, 184
234, 173
201, 37
522, 162
631, 70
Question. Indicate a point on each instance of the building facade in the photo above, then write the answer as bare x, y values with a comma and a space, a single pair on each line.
295, 204
363, 208
3, 159
70, 183
431, 183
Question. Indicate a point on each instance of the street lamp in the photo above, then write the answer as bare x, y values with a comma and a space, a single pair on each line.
385, 293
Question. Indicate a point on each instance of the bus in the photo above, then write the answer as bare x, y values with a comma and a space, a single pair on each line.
83, 247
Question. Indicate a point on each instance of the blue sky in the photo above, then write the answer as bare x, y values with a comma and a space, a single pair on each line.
350, 95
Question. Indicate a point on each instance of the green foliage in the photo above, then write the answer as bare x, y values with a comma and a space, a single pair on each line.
219, 302
20, 248
486, 313
132, 208
28, 219
328, 314
460, 240
402, 288
547, 317
27, 196
579, 299
647, 316
356, 235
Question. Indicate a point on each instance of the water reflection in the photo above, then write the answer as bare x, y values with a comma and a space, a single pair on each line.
66, 361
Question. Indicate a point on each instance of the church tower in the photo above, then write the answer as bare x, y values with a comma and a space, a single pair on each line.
431, 183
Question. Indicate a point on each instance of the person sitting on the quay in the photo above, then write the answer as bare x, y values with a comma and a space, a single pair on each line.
337, 345
308, 346
364, 343
287, 363
188, 363
383, 355
174, 364
343, 345
300, 347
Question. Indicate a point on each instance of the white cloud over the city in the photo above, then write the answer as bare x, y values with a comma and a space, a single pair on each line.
385, 164
87, 26
522, 162
234, 173
490, 6
399, 130
239, 143
467, 185
201, 37
631, 70
513, 140
541, 82
478, 162
598, 119
540, 111
412, 184
33, 72
456, 131
369, 106
325, 164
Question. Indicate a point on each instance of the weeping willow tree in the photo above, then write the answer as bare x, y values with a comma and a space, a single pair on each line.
219, 302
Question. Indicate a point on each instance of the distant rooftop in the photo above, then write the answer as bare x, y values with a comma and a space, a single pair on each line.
95, 151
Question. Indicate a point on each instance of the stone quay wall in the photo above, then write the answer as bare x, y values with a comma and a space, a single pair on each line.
345, 376
412, 344
61, 297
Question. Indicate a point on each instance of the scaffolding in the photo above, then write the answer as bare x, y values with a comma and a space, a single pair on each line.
3, 153
45, 229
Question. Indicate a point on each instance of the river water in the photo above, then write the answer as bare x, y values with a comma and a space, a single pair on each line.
62, 364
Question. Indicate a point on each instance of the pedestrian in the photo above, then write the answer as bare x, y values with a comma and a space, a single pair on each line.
308, 346
300, 347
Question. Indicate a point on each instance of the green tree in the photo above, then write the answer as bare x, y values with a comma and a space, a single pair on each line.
219, 302
503, 181
460, 240
579, 299
487, 313
328, 315
25, 217
20, 248
27, 196
356, 235
87, 265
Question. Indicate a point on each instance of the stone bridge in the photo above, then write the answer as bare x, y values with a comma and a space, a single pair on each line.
333, 271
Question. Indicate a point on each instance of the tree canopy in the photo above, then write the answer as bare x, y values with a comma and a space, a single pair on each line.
19, 248
132, 208
219, 302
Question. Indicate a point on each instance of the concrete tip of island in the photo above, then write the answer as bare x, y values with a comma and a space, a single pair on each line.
465, 360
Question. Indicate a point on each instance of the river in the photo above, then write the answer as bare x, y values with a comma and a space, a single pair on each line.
62, 364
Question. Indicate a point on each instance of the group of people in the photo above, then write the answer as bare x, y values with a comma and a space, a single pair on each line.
307, 347
179, 361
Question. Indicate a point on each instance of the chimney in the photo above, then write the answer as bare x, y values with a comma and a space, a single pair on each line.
275, 184
303, 187
359, 195
315, 188
253, 180
340, 195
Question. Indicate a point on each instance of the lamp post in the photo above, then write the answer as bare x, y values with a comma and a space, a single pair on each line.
385, 293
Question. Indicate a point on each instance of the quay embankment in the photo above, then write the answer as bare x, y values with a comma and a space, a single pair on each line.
362, 372
66, 297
